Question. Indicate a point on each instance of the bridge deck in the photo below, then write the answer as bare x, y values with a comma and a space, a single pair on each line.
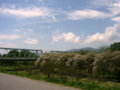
18, 59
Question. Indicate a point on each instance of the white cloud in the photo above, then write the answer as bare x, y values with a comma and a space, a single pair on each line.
110, 35
68, 37
57, 37
115, 7
117, 19
8, 37
31, 11
83, 14
112, 5
30, 30
11, 45
25, 32
31, 41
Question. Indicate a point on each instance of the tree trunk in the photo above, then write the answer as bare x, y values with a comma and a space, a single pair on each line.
48, 75
103, 73
118, 75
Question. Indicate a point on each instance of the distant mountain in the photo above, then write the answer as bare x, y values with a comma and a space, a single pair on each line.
86, 48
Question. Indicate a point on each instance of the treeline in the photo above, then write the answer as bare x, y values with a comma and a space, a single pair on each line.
105, 63
75, 65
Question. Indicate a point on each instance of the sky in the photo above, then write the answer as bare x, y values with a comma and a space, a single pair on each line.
59, 24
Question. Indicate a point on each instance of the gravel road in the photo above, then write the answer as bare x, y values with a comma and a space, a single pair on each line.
11, 82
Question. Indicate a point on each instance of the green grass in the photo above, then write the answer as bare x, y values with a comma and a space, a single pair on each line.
84, 84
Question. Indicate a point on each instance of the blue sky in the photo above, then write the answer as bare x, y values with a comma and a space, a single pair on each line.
59, 24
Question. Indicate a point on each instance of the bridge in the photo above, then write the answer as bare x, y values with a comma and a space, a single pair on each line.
17, 54
53, 51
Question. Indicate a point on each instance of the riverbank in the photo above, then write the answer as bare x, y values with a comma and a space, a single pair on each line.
29, 71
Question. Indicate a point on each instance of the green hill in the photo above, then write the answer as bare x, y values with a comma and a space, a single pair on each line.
86, 48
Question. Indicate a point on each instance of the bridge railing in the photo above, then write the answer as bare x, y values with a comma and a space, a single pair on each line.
19, 54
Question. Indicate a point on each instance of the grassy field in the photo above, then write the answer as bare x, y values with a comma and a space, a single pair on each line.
29, 71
